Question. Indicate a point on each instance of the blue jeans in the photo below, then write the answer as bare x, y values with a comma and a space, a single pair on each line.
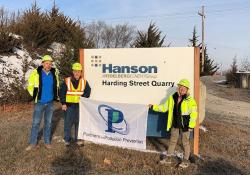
71, 117
42, 108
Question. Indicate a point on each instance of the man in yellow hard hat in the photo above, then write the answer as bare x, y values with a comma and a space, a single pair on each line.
182, 114
71, 90
43, 85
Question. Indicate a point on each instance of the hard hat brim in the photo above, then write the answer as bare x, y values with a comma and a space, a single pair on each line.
182, 85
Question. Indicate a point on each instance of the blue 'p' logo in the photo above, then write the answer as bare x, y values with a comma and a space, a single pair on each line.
114, 119
114, 116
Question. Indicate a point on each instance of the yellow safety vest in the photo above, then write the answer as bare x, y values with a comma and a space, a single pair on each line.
73, 95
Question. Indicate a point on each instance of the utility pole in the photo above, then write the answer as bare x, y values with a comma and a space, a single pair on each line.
202, 14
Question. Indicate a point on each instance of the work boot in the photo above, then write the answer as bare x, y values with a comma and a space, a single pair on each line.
31, 147
80, 143
184, 163
48, 146
167, 160
67, 143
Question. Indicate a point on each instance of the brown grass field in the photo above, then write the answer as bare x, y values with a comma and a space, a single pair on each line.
224, 149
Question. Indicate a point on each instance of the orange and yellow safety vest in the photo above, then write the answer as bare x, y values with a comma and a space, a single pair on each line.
73, 95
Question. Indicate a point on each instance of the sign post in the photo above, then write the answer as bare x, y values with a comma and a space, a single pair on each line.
196, 97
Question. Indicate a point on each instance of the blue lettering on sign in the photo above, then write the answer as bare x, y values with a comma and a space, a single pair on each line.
128, 69
114, 119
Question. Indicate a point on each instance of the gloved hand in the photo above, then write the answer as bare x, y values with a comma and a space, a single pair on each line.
64, 107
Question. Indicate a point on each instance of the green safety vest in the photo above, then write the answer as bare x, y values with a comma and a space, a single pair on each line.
73, 95
188, 107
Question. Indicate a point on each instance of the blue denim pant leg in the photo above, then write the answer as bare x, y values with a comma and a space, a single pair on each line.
76, 121
67, 124
37, 116
48, 113
71, 117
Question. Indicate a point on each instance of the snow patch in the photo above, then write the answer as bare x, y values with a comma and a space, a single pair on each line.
57, 49
12, 67
15, 36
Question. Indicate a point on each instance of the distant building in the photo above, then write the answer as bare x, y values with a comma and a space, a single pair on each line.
243, 79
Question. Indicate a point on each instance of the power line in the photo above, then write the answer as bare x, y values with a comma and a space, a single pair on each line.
189, 14
228, 10
146, 16
223, 4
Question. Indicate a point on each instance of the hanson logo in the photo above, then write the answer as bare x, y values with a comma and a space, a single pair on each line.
109, 68
114, 120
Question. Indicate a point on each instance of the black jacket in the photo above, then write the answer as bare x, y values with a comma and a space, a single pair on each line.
179, 121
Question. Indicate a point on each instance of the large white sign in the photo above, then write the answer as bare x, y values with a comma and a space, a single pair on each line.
137, 75
114, 124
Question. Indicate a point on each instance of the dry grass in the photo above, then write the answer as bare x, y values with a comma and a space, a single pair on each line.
222, 154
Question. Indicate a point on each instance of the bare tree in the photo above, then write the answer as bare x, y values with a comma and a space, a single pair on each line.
123, 35
231, 74
107, 36
245, 65
94, 31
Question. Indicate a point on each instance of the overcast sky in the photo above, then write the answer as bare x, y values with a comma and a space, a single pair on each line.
227, 23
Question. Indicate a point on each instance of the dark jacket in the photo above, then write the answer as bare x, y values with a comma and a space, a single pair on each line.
63, 91
179, 121
37, 92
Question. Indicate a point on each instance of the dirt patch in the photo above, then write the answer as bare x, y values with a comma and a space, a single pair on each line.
236, 112
225, 91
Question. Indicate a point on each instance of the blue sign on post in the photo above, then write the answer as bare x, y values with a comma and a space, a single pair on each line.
157, 123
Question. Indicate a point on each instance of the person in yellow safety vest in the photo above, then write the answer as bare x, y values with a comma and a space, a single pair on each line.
71, 90
43, 86
182, 114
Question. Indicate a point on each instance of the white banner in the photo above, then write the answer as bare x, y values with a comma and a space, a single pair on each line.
113, 124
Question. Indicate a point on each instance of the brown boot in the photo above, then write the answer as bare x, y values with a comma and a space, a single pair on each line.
48, 146
184, 164
167, 160
80, 143
31, 147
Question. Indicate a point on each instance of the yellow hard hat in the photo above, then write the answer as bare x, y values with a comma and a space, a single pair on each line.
184, 82
76, 66
46, 58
